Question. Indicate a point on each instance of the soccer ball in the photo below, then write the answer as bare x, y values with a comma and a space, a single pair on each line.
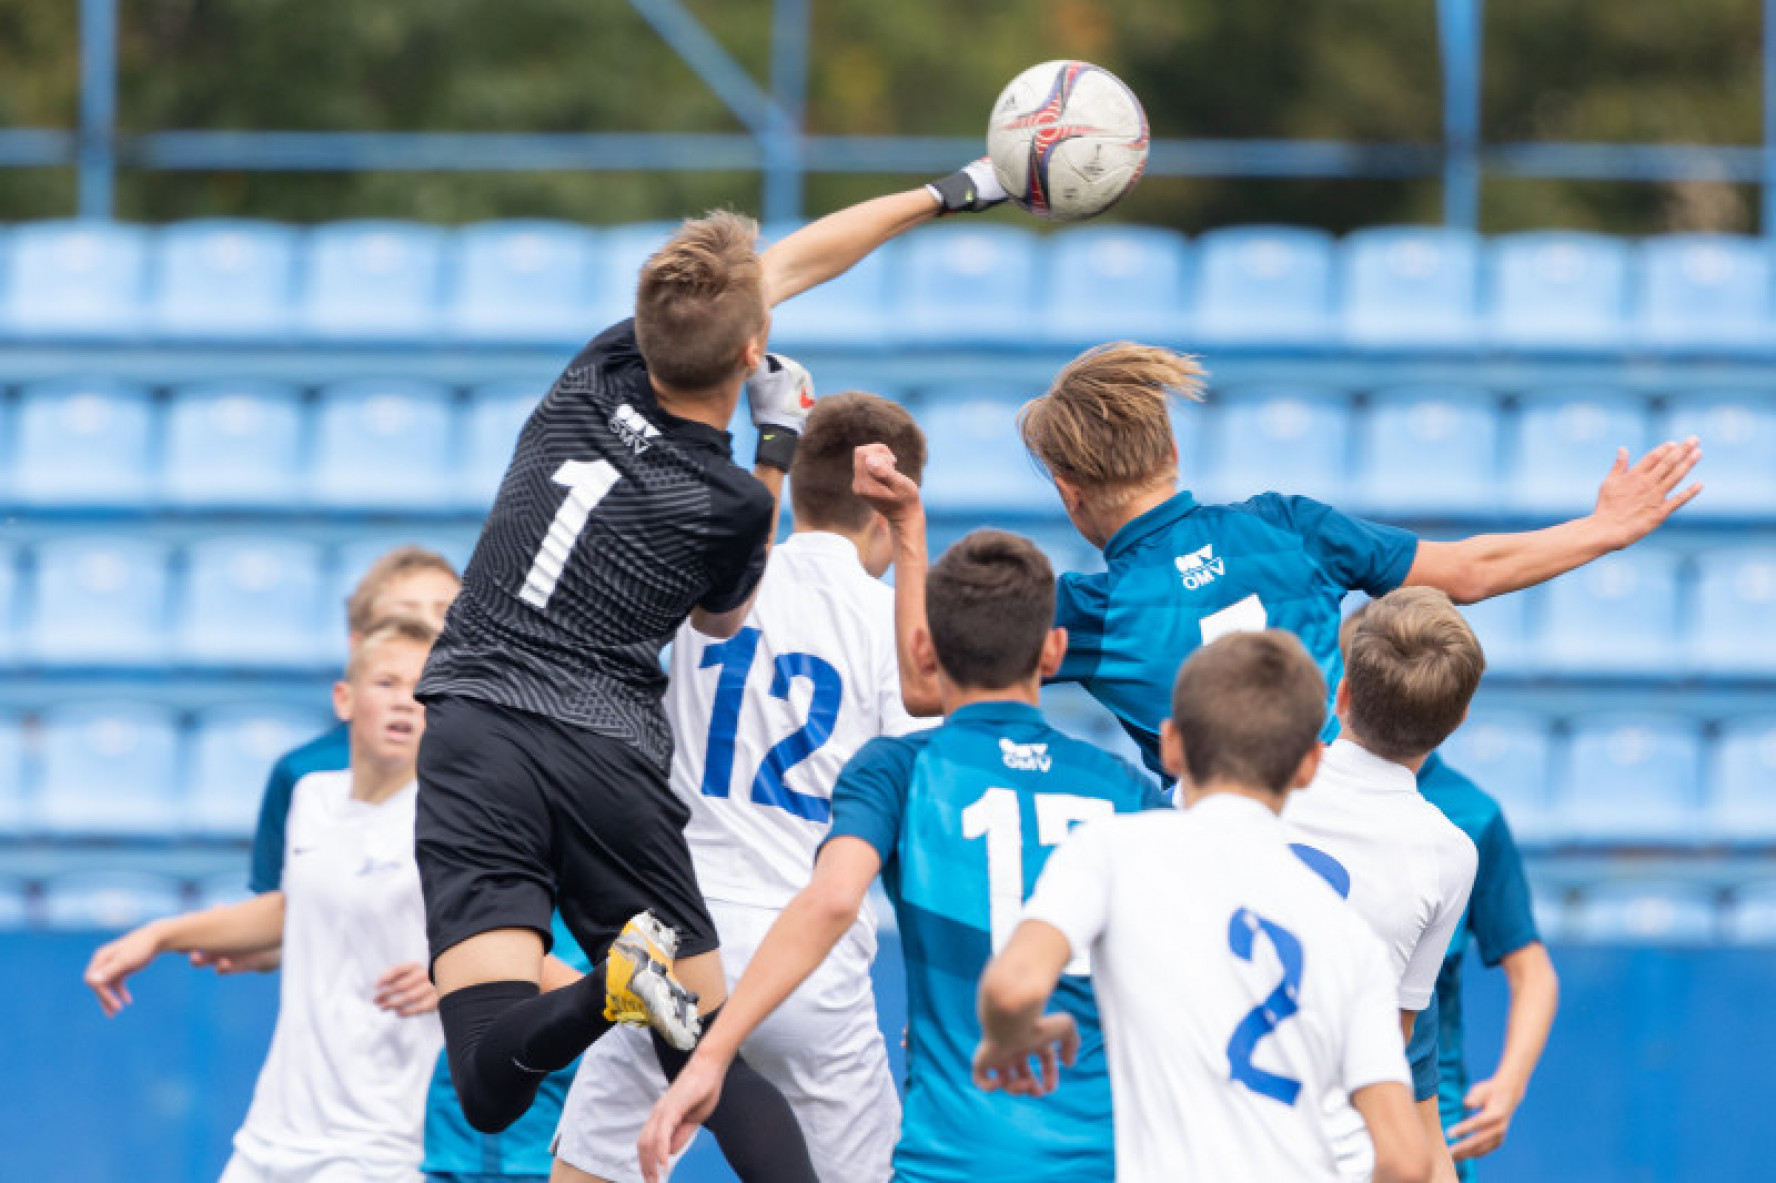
1067, 140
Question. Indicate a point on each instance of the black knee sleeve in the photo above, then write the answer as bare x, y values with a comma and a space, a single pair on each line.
504, 1038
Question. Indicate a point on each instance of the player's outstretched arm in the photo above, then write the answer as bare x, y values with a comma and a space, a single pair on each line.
892, 493
1401, 1155
1535, 996
1633, 501
1014, 988
247, 927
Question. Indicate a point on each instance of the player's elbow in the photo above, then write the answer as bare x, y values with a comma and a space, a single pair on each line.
1404, 1162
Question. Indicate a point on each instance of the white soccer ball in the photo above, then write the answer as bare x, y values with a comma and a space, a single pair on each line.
1067, 140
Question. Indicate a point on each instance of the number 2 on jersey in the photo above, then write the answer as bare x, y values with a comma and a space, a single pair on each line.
734, 656
996, 818
1261, 1020
588, 482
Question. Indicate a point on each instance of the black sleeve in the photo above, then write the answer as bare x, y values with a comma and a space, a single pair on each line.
740, 538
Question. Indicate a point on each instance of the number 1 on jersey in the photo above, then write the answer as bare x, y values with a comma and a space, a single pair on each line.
996, 818
588, 482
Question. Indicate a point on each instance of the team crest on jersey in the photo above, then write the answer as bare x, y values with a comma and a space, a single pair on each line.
1200, 568
1025, 757
632, 428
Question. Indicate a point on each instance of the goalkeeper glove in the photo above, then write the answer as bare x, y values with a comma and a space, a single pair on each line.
970, 189
781, 394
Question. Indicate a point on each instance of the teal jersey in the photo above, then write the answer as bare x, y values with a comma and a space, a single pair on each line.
1182, 574
964, 817
455, 1148
328, 752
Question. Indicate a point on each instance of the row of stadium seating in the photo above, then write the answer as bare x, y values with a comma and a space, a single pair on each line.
415, 446
982, 283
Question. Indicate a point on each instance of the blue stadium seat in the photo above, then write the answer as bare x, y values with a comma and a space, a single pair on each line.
1645, 912
1738, 434
1278, 437
373, 280
1411, 285
253, 602
616, 268
855, 309
1705, 289
1510, 756
1742, 781
1734, 609
1506, 628
233, 750
74, 278
523, 281
1564, 443
383, 443
1618, 614
109, 768
234, 444
109, 900
1264, 284
1557, 288
98, 601
9, 604
12, 775
15, 903
1116, 283
969, 285
1631, 778
977, 461
83, 443
1430, 449
1751, 916
224, 278
496, 414
220, 888
1548, 905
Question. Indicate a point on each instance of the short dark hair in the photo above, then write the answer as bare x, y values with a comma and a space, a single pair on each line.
820, 478
700, 300
990, 603
1412, 664
1248, 708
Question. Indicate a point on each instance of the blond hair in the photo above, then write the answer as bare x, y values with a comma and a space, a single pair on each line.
1105, 423
360, 606
1412, 665
700, 300
389, 628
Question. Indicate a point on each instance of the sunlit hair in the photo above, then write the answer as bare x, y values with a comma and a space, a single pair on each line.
700, 300
1248, 708
1412, 665
360, 606
820, 478
383, 632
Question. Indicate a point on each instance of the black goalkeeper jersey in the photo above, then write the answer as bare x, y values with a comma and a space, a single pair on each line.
614, 520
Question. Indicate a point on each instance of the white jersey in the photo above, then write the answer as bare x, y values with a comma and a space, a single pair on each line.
1236, 990
764, 721
342, 1092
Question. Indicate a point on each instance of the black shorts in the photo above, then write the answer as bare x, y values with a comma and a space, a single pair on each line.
519, 814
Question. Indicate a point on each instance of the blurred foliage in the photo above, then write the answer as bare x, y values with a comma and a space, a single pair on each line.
1360, 70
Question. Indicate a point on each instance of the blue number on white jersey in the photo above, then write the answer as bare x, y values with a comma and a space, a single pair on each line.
734, 656
1261, 1020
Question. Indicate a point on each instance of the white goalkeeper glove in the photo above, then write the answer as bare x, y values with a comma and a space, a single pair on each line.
970, 189
780, 394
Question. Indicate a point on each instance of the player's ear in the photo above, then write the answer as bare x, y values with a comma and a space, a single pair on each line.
342, 700
1071, 497
1309, 766
1171, 750
1054, 651
752, 354
924, 653
1341, 698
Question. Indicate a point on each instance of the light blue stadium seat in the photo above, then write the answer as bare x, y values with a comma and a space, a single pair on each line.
253, 602
1618, 614
83, 443
220, 888
1709, 289
1751, 916
1738, 434
223, 279
1645, 912
616, 267
13, 797
1429, 449
1116, 283
10, 603
496, 414
233, 749
98, 601
1510, 756
15, 903
1278, 437
109, 768
109, 900
1631, 778
373, 280
1564, 443
1557, 289
523, 281
855, 309
384, 443
977, 462
1264, 284
1506, 628
970, 285
74, 278
1742, 780
1411, 285
234, 444
1735, 609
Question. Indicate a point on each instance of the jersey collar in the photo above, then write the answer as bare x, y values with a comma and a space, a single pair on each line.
1349, 764
821, 544
1137, 531
997, 712
1231, 809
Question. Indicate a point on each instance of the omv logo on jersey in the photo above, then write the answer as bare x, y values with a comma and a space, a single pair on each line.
1025, 757
1200, 568
632, 429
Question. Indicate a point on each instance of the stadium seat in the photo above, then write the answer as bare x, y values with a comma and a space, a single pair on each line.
233, 750
1711, 289
384, 444
1264, 284
221, 887
1557, 288
1742, 781
1505, 626
1751, 915
1411, 285
373, 280
9, 604
496, 414
977, 462
855, 309
83, 443
1429, 449
1509, 756
1564, 442
1277, 437
1116, 283
522, 281
1738, 434
616, 267
109, 900
1647, 912
109, 768
224, 279
1618, 614
13, 797
253, 602
74, 278
15, 903
1631, 778
1735, 609
969, 285
97, 601
234, 444
1548, 905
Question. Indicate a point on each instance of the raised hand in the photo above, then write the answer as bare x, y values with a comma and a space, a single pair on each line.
1634, 500
970, 189
877, 479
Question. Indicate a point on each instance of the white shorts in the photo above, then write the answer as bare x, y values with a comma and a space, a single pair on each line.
822, 1048
241, 1169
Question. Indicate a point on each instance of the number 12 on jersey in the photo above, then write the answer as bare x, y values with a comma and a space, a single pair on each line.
997, 818
734, 657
